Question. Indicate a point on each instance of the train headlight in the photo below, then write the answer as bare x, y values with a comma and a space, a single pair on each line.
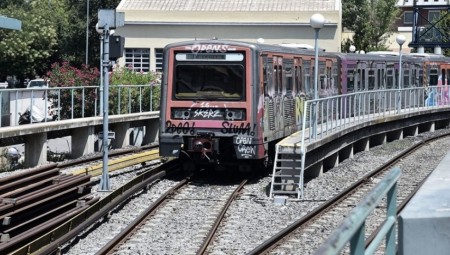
181, 114
235, 114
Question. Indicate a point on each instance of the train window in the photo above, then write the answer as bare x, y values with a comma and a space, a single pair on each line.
379, 79
406, 76
265, 87
350, 81
358, 78
414, 77
334, 78
280, 79
433, 77
328, 78
371, 76
363, 79
443, 77
275, 77
307, 77
390, 78
298, 79
209, 81
265, 78
421, 77
289, 80
448, 77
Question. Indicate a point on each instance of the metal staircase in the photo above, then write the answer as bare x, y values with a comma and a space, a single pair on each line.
287, 176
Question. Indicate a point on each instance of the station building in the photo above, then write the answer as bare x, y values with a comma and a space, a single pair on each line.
152, 24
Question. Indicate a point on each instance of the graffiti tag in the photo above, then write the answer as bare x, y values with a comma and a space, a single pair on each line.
230, 128
244, 140
246, 151
181, 128
207, 113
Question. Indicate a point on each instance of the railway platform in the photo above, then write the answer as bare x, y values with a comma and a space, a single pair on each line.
424, 224
307, 154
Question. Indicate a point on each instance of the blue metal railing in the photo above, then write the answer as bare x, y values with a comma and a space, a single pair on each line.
352, 228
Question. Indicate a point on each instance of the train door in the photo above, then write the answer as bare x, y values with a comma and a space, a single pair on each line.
323, 80
380, 82
288, 92
390, 76
444, 91
278, 97
335, 84
361, 83
406, 79
351, 77
299, 90
307, 78
415, 75
269, 92
329, 86
371, 76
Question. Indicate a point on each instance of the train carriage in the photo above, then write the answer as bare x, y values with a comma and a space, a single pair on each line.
227, 102
223, 102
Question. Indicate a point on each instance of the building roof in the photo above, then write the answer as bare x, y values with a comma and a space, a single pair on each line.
231, 5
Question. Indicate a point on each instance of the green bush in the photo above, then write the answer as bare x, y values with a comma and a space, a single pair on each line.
122, 99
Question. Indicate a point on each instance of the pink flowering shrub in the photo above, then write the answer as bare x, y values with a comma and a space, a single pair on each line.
128, 99
84, 100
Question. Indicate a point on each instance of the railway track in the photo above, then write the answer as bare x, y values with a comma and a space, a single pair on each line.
169, 207
320, 222
191, 202
38, 200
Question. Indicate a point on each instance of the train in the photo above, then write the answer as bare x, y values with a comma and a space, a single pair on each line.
226, 103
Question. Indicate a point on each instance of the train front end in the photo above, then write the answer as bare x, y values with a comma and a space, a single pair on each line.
210, 103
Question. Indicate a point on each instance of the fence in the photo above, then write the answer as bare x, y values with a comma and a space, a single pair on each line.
76, 102
352, 228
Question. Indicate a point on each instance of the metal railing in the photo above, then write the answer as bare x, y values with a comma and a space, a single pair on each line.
338, 112
76, 102
352, 229
326, 116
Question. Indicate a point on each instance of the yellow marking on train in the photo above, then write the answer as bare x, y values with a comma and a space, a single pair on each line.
120, 163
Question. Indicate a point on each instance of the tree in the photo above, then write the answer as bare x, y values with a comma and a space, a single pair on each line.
26, 53
52, 31
371, 21
74, 50
444, 27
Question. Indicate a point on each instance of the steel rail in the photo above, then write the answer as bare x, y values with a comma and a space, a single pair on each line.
271, 243
52, 241
24, 238
140, 220
405, 201
220, 218
17, 177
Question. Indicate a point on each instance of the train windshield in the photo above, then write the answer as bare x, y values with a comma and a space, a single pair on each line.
209, 80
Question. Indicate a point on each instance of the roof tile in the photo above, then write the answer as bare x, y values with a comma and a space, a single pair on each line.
228, 5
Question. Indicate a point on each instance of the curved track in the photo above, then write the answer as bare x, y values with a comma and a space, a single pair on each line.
317, 221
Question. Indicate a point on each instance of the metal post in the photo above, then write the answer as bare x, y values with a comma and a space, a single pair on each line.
104, 182
101, 75
400, 40
87, 30
400, 76
316, 74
